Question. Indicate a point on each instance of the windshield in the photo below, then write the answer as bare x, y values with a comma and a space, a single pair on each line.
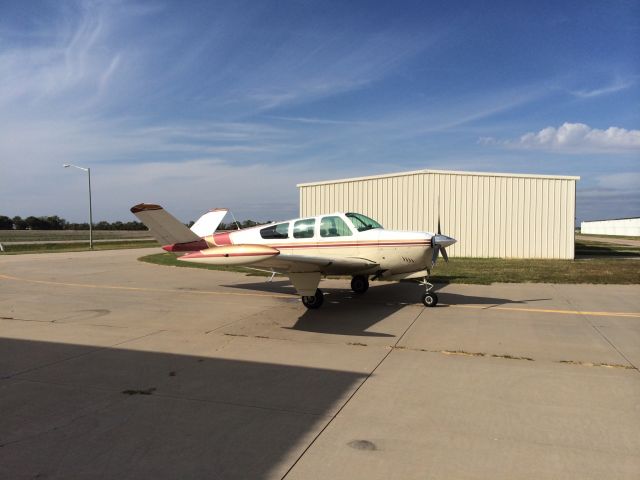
362, 222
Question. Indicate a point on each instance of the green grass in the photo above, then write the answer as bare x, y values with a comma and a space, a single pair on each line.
624, 237
492, 270
74, 247
589, 248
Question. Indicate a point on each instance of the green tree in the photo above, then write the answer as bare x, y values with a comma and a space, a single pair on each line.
19, 223
5, 223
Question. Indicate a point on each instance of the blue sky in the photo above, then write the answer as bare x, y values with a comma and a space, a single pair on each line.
197, 105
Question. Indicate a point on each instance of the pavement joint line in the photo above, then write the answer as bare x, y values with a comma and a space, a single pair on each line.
464, 353
606, 339
175, 397
71, 421
292, 296
94, 350
355, 391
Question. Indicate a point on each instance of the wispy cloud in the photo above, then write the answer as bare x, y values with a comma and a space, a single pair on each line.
574, 138
72, 59
319, 121
617, 85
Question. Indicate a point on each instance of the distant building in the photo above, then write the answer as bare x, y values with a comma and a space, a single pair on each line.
490, 214
617, 226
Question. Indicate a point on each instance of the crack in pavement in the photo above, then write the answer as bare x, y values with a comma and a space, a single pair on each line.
335, 415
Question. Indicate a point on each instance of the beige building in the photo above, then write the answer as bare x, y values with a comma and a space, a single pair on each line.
616, 226
490, 214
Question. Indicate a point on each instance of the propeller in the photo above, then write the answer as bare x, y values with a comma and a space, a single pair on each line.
439, 242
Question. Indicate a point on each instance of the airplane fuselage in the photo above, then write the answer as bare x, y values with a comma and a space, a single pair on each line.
395, 252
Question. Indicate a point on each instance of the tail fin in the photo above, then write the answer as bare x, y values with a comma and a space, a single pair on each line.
208, 223
167, 229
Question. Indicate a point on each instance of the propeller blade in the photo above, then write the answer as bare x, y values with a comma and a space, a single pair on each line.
434, 256
444, 255
439, 231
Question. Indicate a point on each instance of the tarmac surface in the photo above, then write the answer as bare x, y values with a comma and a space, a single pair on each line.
606, 239
113, 368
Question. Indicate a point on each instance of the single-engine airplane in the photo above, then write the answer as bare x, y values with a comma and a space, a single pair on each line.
305, 249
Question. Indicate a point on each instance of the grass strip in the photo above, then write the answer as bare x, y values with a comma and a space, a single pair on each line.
73, 247
490, 270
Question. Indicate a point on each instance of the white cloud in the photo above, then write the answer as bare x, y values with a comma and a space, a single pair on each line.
574, 138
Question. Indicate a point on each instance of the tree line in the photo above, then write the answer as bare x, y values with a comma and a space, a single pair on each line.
54, 222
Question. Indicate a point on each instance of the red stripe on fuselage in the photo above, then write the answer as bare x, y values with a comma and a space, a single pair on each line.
217, 255
340, 244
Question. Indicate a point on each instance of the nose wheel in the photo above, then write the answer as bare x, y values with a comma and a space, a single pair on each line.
430, 299
314, 301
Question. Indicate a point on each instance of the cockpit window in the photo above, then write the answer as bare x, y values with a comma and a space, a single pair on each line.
304, 228
280, 230
362, 222
334, 227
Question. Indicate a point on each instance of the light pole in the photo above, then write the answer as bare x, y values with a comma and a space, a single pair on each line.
88, 170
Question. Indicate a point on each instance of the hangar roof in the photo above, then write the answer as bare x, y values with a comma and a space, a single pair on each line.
611, 219
445, 172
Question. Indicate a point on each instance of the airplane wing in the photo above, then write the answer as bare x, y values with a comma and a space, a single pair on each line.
284, 263
303, 270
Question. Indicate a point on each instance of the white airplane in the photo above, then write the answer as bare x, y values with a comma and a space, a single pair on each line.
305, 249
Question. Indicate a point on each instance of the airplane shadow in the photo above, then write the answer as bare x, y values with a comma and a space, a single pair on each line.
346, 313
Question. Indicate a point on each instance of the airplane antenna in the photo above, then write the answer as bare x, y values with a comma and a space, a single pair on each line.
234, 219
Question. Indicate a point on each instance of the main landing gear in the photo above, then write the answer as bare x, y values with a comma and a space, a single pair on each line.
430, 299
314, 301
359, 284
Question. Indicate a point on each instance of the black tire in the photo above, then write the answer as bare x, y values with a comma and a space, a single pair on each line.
315, 301
430, 299
359, 284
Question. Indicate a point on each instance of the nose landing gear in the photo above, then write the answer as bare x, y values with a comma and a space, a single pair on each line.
430, 299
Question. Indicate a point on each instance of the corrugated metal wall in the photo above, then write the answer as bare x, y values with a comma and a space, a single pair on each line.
491, 215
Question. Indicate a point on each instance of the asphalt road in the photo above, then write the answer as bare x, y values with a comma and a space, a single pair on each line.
113, 368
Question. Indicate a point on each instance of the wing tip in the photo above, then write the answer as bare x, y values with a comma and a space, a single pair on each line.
143, 207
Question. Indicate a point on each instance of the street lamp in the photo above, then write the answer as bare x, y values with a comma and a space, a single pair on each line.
88, 170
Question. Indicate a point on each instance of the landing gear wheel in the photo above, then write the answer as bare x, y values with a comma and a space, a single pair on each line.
359, 284
430, 299
314, 301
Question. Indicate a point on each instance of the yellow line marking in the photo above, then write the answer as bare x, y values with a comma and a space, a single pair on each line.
143, 289
548, 310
